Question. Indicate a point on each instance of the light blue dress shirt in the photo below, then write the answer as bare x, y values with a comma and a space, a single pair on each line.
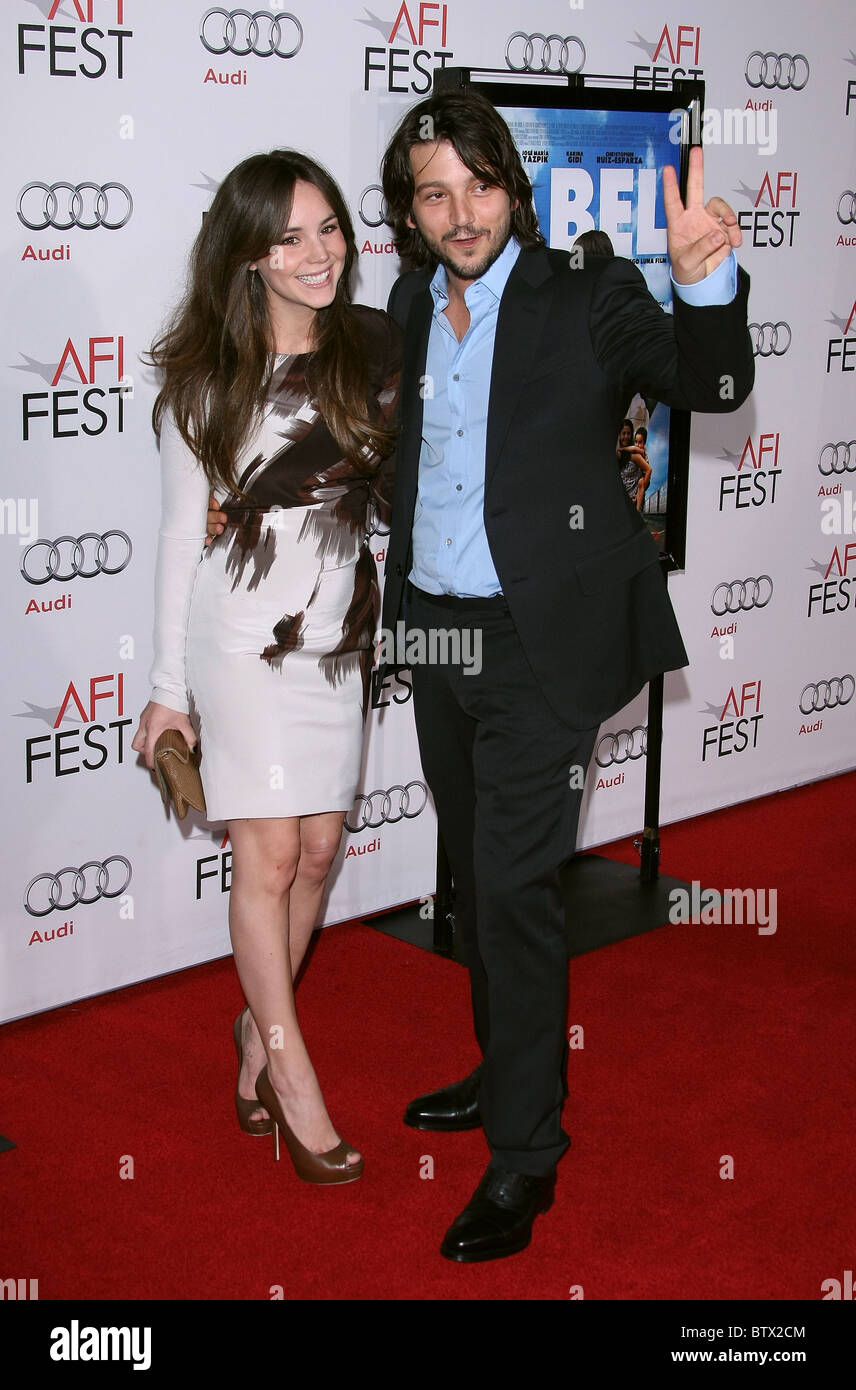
450, 549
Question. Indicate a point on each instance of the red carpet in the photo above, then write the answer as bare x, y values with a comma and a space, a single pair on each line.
701, 1042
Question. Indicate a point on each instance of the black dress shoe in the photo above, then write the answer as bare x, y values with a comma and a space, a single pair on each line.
499, 1216
455, 1107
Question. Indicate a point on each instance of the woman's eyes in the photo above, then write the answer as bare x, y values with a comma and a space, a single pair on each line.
293, 240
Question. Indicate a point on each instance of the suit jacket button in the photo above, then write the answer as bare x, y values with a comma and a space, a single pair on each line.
399, 570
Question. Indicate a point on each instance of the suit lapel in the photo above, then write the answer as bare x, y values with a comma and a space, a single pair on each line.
523, 311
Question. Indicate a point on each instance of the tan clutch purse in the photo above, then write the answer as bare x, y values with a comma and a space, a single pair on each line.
177, 770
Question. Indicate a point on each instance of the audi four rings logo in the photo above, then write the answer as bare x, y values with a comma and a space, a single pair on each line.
741, 595
837, 458
544, 53
782, 70
87, 884
373, 207
627, 744
847, 207
827, 694
251, 31
65, 205
770, 339
387, 808
44, 560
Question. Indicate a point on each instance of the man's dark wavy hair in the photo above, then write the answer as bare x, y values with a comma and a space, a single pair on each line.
481, 140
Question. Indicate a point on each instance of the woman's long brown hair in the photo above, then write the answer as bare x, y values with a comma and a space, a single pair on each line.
215, 354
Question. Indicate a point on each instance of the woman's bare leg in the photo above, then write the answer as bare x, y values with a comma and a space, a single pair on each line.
278, 873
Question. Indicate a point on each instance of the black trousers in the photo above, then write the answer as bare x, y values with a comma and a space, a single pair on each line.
506, 776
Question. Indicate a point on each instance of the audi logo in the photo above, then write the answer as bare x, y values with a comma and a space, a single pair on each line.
87, 884
768, 339
785, 69
827, 694
627, 744
545, 53
848, 198
387, 808
837, 458
110, 206
261, 33
373, 207
741, 594
109, 555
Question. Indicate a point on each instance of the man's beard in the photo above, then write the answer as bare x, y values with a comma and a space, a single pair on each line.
471, 270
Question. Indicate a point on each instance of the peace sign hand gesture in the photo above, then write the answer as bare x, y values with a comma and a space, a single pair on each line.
700, 236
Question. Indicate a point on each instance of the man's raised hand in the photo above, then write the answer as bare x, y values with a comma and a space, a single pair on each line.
700, 235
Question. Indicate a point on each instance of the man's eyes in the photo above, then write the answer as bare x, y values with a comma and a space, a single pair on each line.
478, 188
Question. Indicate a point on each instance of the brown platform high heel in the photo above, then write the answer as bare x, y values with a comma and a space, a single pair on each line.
329, 1167
244, 1107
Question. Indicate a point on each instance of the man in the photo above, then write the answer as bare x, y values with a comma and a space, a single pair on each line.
510, 525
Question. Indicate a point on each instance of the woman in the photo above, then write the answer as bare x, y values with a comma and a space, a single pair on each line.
279, 394
633, 465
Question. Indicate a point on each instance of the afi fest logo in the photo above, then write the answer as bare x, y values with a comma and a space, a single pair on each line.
273, 33
755, 486
415, 43
96, 740
216, 869
733, 596
833, 593
66, 50
841, 352
772, 226
65, 413
737, 722
838, 504
676, 53
817, 696
372, 211
62, 206
391, 688
846, 214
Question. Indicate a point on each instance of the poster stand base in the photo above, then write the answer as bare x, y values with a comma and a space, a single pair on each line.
605, 901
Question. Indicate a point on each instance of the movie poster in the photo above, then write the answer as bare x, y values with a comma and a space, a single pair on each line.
603, 170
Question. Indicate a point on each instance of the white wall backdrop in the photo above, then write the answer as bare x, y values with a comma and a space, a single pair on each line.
122, 116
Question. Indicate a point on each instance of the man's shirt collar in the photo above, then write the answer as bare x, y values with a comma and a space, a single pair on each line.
494, 279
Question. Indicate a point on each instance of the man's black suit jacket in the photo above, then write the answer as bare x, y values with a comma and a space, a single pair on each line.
572, 347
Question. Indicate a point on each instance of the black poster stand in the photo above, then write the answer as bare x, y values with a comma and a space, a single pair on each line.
605, 901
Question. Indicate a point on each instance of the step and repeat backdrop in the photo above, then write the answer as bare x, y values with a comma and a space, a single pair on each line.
122, 117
